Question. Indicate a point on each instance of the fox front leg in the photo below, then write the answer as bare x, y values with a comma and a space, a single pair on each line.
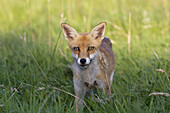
80, 91
108, 85
108, 90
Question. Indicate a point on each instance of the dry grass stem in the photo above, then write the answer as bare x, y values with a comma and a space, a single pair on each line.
16, 90
28, 49
155, 54
63, 54
129, 32
41, 88
29, 19
160, 70
118, 28
48, 96
160, 93
49, 21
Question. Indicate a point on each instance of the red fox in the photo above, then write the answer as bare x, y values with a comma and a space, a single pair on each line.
93, 62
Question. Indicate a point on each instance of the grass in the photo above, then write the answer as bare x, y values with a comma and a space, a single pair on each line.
35, 76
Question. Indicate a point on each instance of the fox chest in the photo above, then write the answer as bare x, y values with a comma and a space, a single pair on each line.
88, 76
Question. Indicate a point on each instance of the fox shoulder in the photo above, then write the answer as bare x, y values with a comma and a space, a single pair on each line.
106, 49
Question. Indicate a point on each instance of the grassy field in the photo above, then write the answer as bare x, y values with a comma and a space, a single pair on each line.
35, 78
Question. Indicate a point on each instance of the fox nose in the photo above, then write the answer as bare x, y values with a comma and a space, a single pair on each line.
83, 61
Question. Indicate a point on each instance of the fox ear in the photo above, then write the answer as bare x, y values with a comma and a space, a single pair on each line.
69, 32
98, 31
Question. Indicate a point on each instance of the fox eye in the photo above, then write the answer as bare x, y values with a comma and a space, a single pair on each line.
90, 48
76, 49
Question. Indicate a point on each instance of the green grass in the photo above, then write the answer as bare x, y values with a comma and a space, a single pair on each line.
29, 70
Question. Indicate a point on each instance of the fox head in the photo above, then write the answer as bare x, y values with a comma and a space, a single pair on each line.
84, 47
